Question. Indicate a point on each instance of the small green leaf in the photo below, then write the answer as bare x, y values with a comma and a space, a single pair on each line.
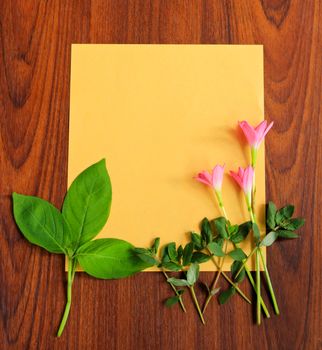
193, 274
171, 301
269, 239
286, 234
155, 245
271, 213
220, 225
41, 223
242, 232
226, 295
294, 224
197, 241
235, 267
215, 249
232, 229
256, 232
146, 256
109, 258
87, 203
180, 252
172, 251
284, 214
187, 254
206, 232
199, 257
178, 282
237, 254
172, 266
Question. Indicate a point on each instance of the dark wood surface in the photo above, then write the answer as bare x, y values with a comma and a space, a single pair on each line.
35, 43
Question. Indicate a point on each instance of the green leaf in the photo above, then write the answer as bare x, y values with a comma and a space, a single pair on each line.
235, 267
294, 224
171, 301
41, 223
284, 214
146, 256
172, 251
226, 295
109, 258
155, 245
269, 239
237, 254
286, 234
206, 232
180, 252
172, 266
199, 257
87, 203
232, 229
242, 232
197, 241
256, 232
178, 282
187, 254
270, 215
193, 274
215, 249
220, 225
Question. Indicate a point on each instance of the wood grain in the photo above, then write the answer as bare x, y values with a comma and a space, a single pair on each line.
35, 42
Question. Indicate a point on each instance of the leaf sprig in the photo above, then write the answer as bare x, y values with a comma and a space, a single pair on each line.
71, 231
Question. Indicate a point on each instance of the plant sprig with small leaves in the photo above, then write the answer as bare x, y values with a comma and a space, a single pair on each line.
176, 259
71, 231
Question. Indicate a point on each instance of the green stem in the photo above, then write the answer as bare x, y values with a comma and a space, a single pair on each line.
231, 282
197, 304
258, 290
252, 282
270, 287
175, 290
214, 283
70, 274
245, 262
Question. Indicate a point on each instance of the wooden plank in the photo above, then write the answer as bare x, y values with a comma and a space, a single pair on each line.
35, 39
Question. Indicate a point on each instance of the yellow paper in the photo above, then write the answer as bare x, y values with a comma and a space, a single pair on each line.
159, 114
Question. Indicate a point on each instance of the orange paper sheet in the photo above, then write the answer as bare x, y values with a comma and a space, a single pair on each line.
159, 114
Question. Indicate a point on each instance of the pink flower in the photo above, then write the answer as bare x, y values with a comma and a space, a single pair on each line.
213, 179
244, 178
255, 135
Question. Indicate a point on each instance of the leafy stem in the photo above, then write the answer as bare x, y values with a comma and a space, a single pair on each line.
270, 287
235, 285
70, 277
196, 304
214, 283
258, 290
175, 290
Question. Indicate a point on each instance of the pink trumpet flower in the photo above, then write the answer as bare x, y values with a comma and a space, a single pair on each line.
244, 178
213, 179
255, 135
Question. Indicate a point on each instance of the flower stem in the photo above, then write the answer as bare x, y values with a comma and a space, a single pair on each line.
252, 282
232, 283
258, 290
197, 304
270, 287
214, 283
70, 275
175, 290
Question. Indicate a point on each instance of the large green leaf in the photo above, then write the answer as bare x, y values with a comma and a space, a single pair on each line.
87, 203
109, 258
41, 223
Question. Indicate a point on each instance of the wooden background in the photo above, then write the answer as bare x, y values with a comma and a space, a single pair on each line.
35, 43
